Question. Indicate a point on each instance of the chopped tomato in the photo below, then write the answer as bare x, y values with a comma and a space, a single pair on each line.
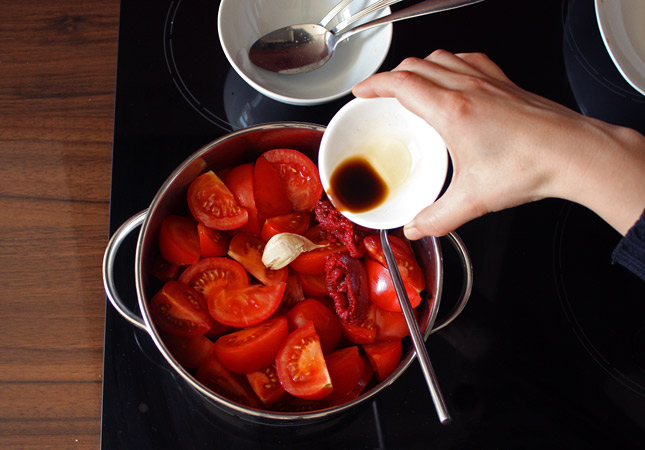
301, 367
247, 249
189, 352
313, 261
180, 310
164, 270
325, 322
346, 367
364, 331
299, 175
384, 356
245, 306
222, 381
212, 204
295, 222
270, 194
381, 288
218, 329
313, 286
391, 325
409, 268
211, 242
253, 348
266, 385
214, 273
293, 293
239, 180
178, 240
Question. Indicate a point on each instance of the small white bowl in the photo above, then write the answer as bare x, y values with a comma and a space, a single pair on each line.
622, 26
407, 153
241, 22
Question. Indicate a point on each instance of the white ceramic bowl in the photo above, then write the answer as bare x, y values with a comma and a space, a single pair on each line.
622, 26
241, 22
407, 153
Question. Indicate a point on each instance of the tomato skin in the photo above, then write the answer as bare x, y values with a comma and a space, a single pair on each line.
239, 180
214, 273
326, 323
270, 194
253, 348
299, 175
295, 222
384, 357
164, 270
180, 310
301, 367
293, 293
313, 261
211, 242
178, 240
245, 306
346, 367
409, 268
266, 385
222, 381
381, 288
189, 352
247, 249
313, 286
391, 325
213, 204
363, 332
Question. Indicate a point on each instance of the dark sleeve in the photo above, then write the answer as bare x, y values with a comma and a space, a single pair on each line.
630, 251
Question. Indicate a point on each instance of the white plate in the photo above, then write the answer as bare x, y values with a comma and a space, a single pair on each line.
241, 22
622, 26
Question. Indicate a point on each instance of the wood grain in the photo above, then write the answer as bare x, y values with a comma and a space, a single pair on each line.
57, 78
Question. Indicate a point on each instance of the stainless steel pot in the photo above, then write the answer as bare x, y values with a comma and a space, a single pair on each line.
232, 149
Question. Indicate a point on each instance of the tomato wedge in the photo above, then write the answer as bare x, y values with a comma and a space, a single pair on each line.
384, 357
409, 268
222, 381
180, 310
391, 325
325, 322
346, 367
214, 273
247, 249
299, 175
189, 352
363, 332
245, 306
239, 180
381, 288
301, 367
178, 240
270, 195
211, 242
313, 286
266, 385
295, 222
253, 348
213, 204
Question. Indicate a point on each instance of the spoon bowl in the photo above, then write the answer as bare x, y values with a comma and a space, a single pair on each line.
305, 47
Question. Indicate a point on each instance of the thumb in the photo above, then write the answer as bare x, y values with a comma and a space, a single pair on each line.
446, 214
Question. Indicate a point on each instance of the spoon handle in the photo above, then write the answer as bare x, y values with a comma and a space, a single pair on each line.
334, 12
376, 6
415, 333
420, 9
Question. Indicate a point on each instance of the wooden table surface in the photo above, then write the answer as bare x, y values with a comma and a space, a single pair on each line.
57, 78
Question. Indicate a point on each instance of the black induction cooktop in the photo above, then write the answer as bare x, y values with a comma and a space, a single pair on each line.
549, 352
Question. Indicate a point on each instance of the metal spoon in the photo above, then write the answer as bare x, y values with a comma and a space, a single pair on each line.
334, 12
306, 47
415, 333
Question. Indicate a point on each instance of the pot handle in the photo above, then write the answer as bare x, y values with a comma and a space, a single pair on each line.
467, 285
108, 265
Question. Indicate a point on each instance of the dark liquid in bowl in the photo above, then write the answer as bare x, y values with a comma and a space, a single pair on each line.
356, 187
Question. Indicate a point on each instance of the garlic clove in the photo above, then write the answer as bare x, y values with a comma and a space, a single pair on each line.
283, 248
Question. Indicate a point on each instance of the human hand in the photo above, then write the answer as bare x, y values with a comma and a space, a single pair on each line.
509, 146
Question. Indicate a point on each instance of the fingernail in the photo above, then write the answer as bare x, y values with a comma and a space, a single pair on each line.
411, 232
